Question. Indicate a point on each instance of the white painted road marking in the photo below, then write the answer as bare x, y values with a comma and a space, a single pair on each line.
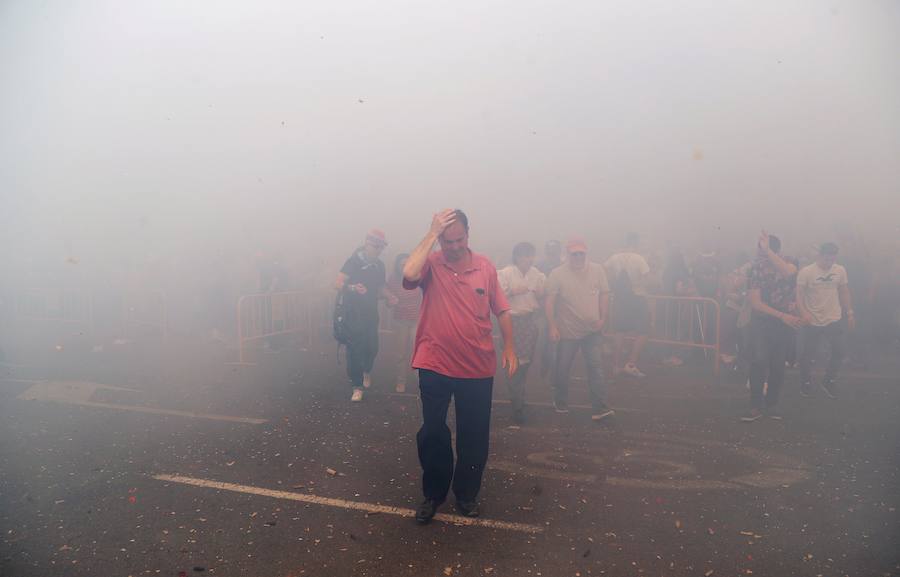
80, 393
353, 505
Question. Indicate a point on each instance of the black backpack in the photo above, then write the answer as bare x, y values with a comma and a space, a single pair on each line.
341, 319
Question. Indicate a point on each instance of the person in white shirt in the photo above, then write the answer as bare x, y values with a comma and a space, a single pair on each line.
823, 301
523, 285
627, 271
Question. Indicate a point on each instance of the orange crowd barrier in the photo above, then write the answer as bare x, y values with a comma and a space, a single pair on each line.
266, 315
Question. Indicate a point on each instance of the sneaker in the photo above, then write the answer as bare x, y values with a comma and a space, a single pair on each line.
633, 371
773, 414
367, 380
753, 415
673, 362
561, 407
468, 508
806, 389
426, 511
602, 414
400, 388
357, 395
830, 389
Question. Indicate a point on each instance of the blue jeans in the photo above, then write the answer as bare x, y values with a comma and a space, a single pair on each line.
591, 347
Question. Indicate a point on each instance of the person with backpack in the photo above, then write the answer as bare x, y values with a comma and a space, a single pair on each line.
360, 284
630, 316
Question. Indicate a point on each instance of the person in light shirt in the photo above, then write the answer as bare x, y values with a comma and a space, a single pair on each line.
627, 271
823, 301
523, 285
577, 306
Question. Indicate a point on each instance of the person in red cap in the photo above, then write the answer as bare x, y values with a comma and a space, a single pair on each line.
577, 301
454, 354
361, 283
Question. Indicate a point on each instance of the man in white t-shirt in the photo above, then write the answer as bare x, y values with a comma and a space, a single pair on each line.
823, 301
523, 285
627, 271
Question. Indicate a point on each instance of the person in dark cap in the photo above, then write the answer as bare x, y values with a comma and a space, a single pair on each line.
361, 283
823, 301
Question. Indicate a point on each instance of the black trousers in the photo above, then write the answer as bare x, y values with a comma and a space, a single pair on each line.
473, 426
770, 342
363, 347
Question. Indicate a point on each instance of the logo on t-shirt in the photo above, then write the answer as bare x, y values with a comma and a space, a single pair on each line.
827, 278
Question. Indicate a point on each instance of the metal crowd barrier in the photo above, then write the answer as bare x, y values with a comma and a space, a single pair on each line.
267, 315
689, 322
63, 306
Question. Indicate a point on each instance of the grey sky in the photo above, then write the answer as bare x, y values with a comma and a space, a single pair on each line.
155, 126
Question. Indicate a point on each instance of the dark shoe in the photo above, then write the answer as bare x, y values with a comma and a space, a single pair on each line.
773, 413
561, 407
426, 511
603, 413
753, 415
806, 389
518, 416
467, 508
830, 389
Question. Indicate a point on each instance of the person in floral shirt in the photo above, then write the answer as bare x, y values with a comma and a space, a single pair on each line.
772, 326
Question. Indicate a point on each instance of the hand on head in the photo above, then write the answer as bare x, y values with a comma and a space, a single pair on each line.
442, 220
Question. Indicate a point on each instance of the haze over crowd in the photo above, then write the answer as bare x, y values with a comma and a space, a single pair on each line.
177, 140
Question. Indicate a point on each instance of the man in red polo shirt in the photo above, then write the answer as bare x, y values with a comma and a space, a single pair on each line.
454, 354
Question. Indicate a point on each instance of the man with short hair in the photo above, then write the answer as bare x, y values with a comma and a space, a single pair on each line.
361, 283
523, 285
627, 271
454, 354
552, 257
823, 300
772, 324
576, 305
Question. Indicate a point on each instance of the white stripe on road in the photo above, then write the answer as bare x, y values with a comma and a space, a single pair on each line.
354, 505
80, 394
172, 412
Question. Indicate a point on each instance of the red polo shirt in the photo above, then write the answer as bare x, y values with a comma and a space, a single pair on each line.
454, 333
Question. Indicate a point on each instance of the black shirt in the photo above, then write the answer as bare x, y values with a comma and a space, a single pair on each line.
371, 274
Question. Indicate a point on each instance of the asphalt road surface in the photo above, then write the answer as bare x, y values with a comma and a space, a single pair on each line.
271, 471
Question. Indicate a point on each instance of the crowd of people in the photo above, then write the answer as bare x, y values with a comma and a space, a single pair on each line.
443, 302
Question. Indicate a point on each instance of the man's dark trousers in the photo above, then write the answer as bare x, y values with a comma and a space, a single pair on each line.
771, 339
473, 425
363, 346
810, 338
